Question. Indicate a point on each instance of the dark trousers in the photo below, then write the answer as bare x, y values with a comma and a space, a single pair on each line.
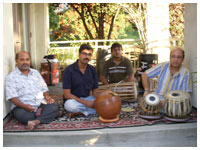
49, 112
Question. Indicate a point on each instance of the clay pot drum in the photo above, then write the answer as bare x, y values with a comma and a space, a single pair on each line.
108, 106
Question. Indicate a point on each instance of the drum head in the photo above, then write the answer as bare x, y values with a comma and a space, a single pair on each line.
177, 95
152, 99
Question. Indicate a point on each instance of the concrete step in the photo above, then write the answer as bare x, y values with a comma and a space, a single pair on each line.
158, 135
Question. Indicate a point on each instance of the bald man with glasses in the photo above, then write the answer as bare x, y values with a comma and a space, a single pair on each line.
171, 75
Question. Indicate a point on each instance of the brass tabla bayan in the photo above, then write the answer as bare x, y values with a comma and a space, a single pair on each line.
177, 105
150, 106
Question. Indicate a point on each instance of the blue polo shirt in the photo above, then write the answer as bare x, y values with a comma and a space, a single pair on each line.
79, 83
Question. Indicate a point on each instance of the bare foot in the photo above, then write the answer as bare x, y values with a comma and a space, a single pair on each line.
32, 124
59, 114
70, 114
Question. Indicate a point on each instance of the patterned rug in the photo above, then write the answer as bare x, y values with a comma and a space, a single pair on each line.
126, 119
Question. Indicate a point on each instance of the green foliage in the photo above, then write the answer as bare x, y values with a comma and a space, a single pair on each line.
64, 56
53, 21
176, 16
82, 21
137, 13
91, 21
129, 32
94, 21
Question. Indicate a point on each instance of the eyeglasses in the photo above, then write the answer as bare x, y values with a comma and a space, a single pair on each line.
86, 54
178, 57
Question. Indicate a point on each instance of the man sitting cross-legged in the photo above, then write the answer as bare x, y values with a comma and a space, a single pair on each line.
27, 91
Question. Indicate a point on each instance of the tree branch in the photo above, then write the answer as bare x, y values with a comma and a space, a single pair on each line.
112, 23
101, 22
82, 18
93, 20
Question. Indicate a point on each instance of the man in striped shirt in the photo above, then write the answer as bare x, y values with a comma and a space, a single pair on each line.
117, 68
171, 75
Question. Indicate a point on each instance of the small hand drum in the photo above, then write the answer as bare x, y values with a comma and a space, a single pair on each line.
177, 105
150, 107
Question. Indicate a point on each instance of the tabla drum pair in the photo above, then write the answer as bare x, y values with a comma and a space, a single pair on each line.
177, 105
150, 107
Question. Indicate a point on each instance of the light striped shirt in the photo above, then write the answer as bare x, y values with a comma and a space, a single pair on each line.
168, 82
117, 69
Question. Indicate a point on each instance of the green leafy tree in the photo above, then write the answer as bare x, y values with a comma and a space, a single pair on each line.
98, 19
137, 12
91, 21
176, 16
53, 22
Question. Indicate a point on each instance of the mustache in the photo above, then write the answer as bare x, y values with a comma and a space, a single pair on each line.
24, 64
85, 59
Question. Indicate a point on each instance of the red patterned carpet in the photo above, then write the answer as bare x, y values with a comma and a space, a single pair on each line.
127, 119
59, 124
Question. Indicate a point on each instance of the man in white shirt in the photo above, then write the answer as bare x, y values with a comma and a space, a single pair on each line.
28, 94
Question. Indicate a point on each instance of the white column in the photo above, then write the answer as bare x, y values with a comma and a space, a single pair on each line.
158, 30
39, 28
190, 45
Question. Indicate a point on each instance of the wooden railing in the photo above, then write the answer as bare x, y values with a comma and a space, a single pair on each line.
68, 54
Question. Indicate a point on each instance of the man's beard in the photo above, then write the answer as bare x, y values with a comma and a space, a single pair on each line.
25, 67
117, 57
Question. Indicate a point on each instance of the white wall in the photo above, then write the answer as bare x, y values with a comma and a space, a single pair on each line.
39, 28
158, 29
8, 48
190, 43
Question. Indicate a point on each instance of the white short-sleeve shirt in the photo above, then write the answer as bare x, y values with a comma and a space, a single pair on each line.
25, 88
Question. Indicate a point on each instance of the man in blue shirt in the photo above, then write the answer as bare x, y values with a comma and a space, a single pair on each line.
79, 80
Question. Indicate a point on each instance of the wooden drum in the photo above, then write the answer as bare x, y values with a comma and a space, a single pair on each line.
150, 107
125, 90
177, 105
